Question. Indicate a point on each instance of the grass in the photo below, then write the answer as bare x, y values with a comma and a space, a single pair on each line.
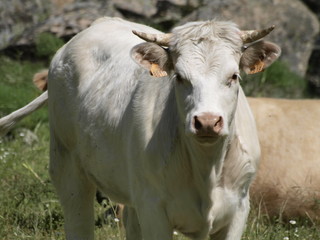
47, 44
276, 81
29, 208
16, 88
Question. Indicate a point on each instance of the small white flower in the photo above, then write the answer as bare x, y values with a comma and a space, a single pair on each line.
293, 222
116, 220
21, 134
286, 238
175, 233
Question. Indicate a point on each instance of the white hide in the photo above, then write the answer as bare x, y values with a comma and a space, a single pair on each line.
117, 129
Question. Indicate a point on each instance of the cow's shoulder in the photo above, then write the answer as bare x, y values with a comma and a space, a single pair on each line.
245, 128
243, 152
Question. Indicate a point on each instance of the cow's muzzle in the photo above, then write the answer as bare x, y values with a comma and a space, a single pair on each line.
207, 125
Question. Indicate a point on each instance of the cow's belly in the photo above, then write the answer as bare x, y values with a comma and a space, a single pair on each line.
110, 180
104, 161
197, 217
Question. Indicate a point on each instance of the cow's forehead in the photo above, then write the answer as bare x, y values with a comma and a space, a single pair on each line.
226, 34
207, 48
218, 65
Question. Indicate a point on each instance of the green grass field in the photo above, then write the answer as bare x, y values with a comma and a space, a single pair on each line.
29, 208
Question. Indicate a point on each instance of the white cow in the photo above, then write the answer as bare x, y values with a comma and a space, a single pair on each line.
179, 149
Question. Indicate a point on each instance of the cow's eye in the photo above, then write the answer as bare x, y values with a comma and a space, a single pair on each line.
234, 78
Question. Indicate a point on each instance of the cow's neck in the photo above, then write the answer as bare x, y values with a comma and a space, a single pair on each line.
206, 166
206, 159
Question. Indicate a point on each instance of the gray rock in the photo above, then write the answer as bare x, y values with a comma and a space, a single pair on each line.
69, 19
64, 18
296, 29
16, 16
142, 8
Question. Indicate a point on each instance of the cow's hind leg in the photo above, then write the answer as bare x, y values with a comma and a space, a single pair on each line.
75, 191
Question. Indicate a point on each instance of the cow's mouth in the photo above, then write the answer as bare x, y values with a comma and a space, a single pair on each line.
207, 139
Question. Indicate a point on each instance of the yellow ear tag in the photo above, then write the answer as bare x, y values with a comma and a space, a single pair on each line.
257, 67
156, 71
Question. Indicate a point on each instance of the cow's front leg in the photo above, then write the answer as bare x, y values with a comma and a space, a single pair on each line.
234, 230
131, 224
154, 222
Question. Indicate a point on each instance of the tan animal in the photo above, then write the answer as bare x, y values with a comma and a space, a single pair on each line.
40, 80
288, 179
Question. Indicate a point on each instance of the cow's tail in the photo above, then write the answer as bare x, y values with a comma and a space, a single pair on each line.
9, 121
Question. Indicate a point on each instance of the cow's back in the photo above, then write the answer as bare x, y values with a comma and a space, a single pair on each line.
288, 179
92, 79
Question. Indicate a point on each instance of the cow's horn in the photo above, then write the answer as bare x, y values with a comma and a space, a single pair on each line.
160, 39
254, 35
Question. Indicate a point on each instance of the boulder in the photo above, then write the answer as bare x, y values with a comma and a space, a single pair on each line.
67, 19
17, 16
23, 21
296, 29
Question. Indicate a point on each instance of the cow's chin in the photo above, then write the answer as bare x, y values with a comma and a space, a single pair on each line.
207, 140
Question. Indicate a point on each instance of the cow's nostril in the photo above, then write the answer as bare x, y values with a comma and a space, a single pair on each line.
218, 125
197, 124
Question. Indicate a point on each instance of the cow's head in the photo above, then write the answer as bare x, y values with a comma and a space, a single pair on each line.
204, 59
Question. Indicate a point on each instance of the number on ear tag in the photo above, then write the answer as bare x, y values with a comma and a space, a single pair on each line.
156, 71
257, 67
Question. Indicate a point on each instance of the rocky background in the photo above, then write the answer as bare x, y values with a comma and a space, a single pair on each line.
297, 22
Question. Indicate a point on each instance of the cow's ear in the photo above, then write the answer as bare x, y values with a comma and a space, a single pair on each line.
258, 56
152, 57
